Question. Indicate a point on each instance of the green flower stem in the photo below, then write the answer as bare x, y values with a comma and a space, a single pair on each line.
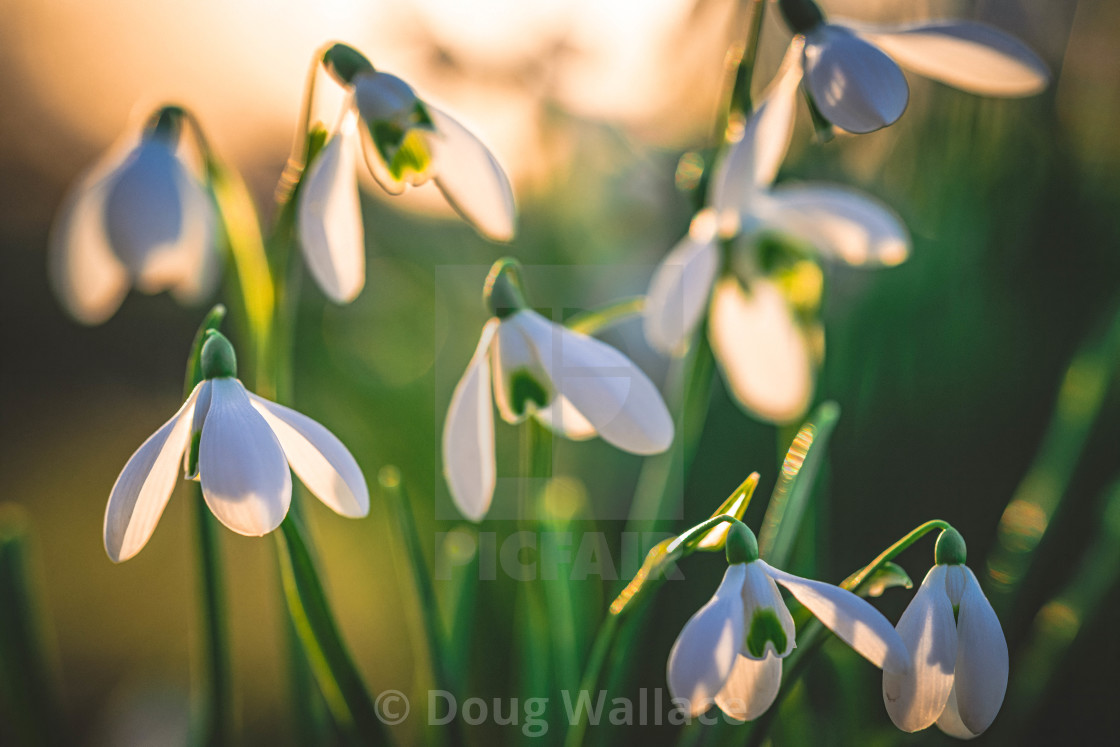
215, 717
393, 489
596, 320
339, 681
740, 103
29, 699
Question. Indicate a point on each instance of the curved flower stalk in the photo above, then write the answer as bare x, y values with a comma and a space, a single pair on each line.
731, 651
575, 385
139, 217
406, 142
958, 673
245, 447
762, 310
853, 75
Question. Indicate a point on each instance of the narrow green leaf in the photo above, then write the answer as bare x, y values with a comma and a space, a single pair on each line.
791, 495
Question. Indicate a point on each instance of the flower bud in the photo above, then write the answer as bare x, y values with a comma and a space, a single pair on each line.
503, 293
344, 62
950, 548
801, 15
218, 359
742, 546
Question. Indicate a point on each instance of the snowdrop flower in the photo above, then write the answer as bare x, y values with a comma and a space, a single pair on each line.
958, 674
138, 216
577, 386
406, 142
762, 324
731, 651
245, 447
852, 69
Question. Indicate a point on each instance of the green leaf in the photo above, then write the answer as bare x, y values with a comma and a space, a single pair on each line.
887, 576
791, 495
709, 536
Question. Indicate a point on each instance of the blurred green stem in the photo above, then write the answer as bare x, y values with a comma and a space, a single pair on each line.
339, 681
215, 720
29, 699
1040, 494
591, 322
397, 497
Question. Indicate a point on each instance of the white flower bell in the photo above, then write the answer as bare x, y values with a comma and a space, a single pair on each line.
731, 651
406, 142
766, 352
852, 69
576, 385
958, 673
138, 216
247, 448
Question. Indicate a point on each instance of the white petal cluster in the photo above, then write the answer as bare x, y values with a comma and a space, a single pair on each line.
959, 666
576, 385
138, 217
852, 69
730, 652
767, 354
248, 447
432, 145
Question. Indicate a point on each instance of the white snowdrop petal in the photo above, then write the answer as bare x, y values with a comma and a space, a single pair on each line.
761, 596
971, 56
705, 651
325, 465
561, 417
754, 159
518, 373
855, 85
843, 224
145, 484
86, 276
379, 170
751, 687
950, 719
196, 251
468, 434
245, 477
471, 178
982, 661
916, 699
145, 217
765, 355
605, 386
681, 287
330, 218
383, 97
851, 618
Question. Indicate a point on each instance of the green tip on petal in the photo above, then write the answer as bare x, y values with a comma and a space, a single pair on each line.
802, 16
218, 359
503, 294
344, 62
765, 628
742, 546
950, 548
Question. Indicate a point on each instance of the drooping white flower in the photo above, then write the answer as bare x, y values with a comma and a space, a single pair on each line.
406, 142
731, 651
576, 385
247, 448
138, 217
852, 69
766, 350
958, 673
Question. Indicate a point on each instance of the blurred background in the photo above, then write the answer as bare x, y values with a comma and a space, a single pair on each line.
947, 369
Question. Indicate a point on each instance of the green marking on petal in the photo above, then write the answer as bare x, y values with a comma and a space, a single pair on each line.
765, 626
525, 388
412, 157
